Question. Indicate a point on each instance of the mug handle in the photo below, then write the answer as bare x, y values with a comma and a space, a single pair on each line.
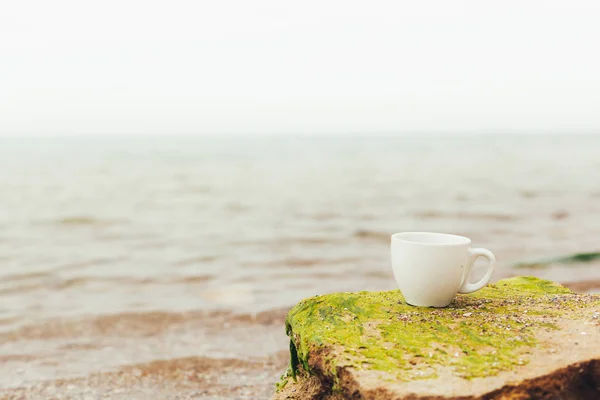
466, 286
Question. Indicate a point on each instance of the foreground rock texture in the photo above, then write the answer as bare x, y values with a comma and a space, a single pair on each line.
521, 338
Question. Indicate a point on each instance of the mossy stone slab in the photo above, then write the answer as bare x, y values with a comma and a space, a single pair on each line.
507, 335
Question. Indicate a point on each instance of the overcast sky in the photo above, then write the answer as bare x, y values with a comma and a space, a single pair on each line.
140, 66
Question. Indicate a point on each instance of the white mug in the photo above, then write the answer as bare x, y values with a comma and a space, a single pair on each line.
431, 268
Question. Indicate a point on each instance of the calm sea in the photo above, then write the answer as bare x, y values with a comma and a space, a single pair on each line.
98, 227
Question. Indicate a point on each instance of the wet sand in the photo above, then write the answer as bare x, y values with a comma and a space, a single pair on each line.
185, 378
134, 356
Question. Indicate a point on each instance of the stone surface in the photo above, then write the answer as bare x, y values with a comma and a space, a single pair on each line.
519, 338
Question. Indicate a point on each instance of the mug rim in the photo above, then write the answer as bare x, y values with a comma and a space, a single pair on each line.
453, 240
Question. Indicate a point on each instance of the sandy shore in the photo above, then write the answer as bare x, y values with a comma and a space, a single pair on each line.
134, 356
184, 378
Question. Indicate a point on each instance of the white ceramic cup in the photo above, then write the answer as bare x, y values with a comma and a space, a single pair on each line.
431, 268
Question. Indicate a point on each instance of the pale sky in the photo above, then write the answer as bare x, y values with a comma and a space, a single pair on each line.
241, 66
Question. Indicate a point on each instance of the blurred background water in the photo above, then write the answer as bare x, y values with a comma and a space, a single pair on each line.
115, 225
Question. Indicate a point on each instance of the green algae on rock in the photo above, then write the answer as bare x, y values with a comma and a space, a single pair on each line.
479, 335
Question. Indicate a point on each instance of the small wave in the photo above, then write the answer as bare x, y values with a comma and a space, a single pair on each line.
80, 346
90, 262
124, 324
28, 276
380, 274
140, 324
367, 217
54, 282
528, 194
21, 288
194, 279
314, 274
18, 358
368, 234
505, 231
151, 245
199, 189
325, 216
236, 207
299, 262
195, 260
462, 197
77, 221
560, 214
465, 215
270, 317
84, 280
288, 241
8, 320
304, 262
83, 220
